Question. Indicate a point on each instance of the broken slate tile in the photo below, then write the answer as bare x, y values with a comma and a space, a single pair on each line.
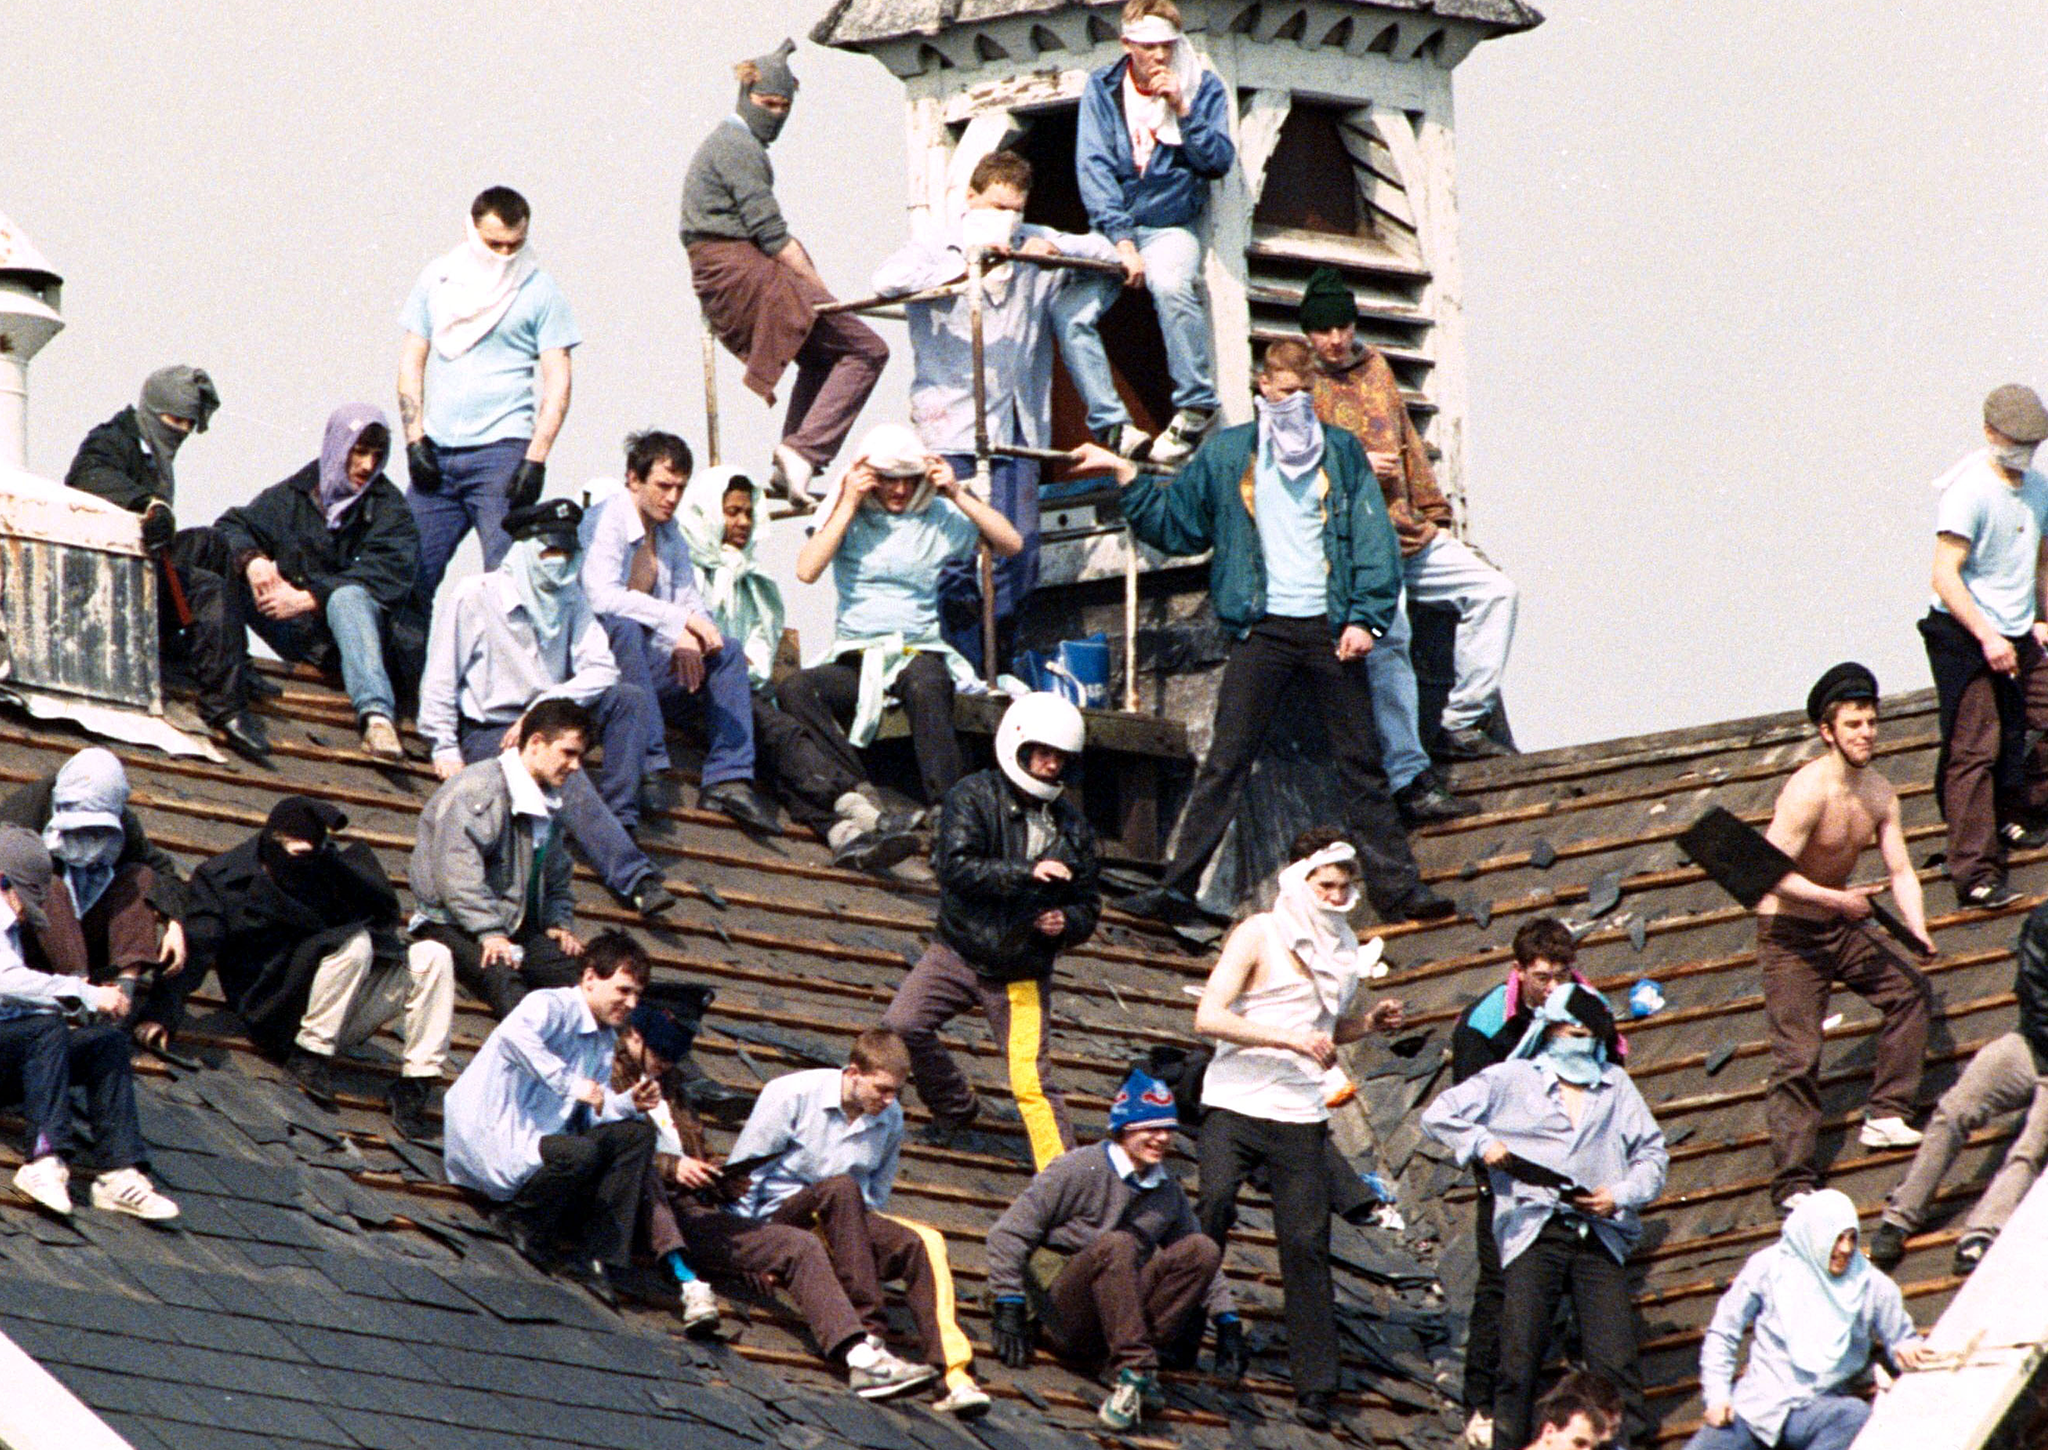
1542, 855
1604, 894
1482, 913
1718, 1058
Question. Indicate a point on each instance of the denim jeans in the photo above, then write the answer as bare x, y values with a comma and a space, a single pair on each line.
43, 1059
1395, 701
355, 626
725, 700
1825, 1422
1173, 275
1013, 490
599, 816
471, 495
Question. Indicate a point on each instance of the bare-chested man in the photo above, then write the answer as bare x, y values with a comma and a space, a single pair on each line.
1809, 937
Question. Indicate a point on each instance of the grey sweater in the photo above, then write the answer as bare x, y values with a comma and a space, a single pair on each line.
469, 863
729, 191
1077, 1199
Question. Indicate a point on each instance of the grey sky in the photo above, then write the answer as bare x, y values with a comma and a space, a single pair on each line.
1737, 276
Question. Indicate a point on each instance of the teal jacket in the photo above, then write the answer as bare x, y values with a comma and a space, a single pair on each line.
1208, 505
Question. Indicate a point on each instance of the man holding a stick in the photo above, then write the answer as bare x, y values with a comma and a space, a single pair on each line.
1812, 932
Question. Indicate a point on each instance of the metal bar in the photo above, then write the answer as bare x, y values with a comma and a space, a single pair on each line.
710, 395
1130, 620
875, 304
977, 271
1059, 260
1057, 455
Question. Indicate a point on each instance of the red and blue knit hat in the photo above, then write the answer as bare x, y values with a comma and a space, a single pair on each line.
1142, 1102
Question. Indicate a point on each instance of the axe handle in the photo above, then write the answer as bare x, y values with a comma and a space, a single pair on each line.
177, 590
1897, 928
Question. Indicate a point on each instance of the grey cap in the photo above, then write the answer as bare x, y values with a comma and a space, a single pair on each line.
2015, 410
25, 862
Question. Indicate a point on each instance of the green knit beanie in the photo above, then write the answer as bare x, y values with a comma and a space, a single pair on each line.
1327, 302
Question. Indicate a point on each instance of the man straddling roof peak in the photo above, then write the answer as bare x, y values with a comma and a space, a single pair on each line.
1827, 815
758, 289
1985, 635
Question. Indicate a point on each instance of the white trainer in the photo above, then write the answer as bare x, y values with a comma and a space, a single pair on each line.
1479, 1431
873, 1373
47, 1180
700, 1308
967, 1401
126, 1190
1888, 1133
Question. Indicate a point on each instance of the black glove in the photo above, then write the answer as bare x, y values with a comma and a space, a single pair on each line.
423, 466
523, 492
1233, 1355
159, 524
1012, 1333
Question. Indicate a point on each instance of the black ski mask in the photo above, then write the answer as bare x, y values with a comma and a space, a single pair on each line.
306, 877
766, 75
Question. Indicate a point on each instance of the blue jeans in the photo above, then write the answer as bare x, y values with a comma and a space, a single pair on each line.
1395, 700
471, 495
42, 1058
1013, 489
355, 625
725, 700
599, 816
1826, 1422
1173, 275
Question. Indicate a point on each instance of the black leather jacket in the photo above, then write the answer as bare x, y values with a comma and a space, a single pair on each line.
988, 898
2030, 983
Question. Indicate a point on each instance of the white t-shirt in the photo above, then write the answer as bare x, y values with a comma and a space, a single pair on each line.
2003, 525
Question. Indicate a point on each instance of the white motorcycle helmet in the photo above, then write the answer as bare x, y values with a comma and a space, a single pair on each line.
1041, 718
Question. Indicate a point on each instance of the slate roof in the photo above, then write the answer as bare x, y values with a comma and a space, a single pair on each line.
327, 1288
853, 24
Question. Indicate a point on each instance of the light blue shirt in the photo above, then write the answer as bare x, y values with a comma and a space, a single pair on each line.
1017, 338
1773, 1386
485, 663
887, 569
611, 536
1617, 1146
24, 991
520, 1087
488, 392
2003, 526
801, 1113
1290, 519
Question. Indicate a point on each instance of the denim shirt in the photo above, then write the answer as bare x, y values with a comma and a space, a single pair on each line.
1617, 1146
1772, 1387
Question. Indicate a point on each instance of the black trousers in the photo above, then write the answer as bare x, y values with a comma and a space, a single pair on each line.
589, 1183
503, 987
805, 776
1232, 1146
215, 645
1260, 668
823, 695
1482, 1332
1561, 1260
42, 1059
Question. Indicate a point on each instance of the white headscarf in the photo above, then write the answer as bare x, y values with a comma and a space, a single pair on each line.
1290, 433
1152, 121
745, 603
472, 290
1321, 935
85, 832
1819, 1309
896, 451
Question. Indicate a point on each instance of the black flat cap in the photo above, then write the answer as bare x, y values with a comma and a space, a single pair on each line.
2015, 410
554, 520
1846, 681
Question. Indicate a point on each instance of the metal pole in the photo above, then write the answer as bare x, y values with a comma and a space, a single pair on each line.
872, 304
1130, 620
976, 272
710, 395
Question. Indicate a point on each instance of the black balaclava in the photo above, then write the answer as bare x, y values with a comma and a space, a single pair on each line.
307, 878
773, 78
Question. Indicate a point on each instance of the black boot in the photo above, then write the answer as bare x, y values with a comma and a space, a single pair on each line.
407, 1099
314, 1074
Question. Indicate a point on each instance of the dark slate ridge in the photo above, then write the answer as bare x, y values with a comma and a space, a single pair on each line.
854, 24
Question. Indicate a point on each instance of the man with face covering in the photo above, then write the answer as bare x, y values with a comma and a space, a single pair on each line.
324, 569
900, 514
113, 892
1574, 1157
720, 517
1017, 337
757, 287
1018, 884
128, 461
1305, 576
1817, 1313
483, 385
1284, 994
521, 633
305, 937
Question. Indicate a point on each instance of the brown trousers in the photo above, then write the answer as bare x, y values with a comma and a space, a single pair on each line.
1801, 961
1106, 1301
1969, 786
828, 1248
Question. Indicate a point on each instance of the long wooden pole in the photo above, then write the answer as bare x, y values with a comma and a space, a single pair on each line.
977, 270
710, 396
1130, 620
